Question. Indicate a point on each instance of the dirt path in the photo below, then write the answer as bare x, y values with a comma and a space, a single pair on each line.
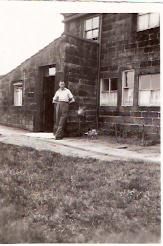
101, 149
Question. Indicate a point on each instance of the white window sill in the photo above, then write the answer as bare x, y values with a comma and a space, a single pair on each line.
128, 105
17, 105
107, 105
149, 105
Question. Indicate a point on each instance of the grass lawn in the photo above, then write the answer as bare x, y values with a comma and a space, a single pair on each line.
49, 198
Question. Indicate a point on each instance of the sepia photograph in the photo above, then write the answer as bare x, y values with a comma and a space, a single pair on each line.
80, 123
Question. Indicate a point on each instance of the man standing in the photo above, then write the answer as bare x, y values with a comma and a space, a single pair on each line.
63, 97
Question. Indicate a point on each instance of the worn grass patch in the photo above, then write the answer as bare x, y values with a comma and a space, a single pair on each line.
49, 198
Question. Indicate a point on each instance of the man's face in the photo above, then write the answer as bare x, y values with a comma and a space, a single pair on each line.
62, 84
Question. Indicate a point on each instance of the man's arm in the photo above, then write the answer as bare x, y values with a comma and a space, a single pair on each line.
71, 100
71, 97
55, 98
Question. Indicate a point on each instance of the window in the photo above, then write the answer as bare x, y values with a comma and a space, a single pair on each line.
147, 21
18, 93
91, 28
127, 87
149, 90
49, 71
52, 71
108, 92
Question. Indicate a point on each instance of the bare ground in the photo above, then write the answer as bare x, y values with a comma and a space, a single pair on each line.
49, 198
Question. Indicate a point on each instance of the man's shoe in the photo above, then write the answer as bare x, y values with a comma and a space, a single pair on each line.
57, 138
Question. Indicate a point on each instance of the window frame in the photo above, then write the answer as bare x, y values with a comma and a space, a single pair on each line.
150, 89
17, 84
92, 29
109, 91
127, 88
148, 27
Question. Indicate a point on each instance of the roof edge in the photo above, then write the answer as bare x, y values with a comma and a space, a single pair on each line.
82, 39
73, 16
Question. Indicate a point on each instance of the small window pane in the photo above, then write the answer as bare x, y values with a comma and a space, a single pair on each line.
149, 98
52, 71
128, 97
155, 98
89, 35
18, 93
112, 99
144, 82
154, 20
149, 82
105, 85
144, 98
143, 22
128, 79
155, 82
88, 24
95, 22
114, 84
108, 99
95, 34
104, 99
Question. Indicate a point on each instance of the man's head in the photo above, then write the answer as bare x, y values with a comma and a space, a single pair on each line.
62, 84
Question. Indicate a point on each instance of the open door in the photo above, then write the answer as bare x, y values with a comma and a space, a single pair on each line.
48, 106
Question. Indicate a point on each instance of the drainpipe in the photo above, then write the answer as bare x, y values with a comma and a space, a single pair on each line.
98, 75
24, 80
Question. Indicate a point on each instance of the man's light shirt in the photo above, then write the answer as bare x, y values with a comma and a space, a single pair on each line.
64, 95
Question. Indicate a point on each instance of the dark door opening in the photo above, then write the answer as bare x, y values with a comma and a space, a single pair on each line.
48, 107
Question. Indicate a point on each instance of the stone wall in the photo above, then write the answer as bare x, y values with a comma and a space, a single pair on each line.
123, 48
81, 71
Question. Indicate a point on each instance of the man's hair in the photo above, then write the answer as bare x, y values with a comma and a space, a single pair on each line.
61, 82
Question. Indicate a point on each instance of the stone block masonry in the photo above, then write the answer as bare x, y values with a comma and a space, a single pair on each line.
124, 48
81, 65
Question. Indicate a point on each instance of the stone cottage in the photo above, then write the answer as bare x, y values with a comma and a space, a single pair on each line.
110, 62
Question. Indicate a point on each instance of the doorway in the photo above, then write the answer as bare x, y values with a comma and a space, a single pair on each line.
48, 106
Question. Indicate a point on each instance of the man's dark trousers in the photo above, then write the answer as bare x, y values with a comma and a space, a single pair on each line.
62, 109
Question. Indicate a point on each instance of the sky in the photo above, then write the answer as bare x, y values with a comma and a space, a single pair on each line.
28, 26
25, 28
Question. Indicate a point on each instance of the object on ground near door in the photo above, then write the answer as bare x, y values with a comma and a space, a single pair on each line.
92, 133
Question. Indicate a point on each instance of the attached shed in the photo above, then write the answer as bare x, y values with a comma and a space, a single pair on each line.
27, 91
